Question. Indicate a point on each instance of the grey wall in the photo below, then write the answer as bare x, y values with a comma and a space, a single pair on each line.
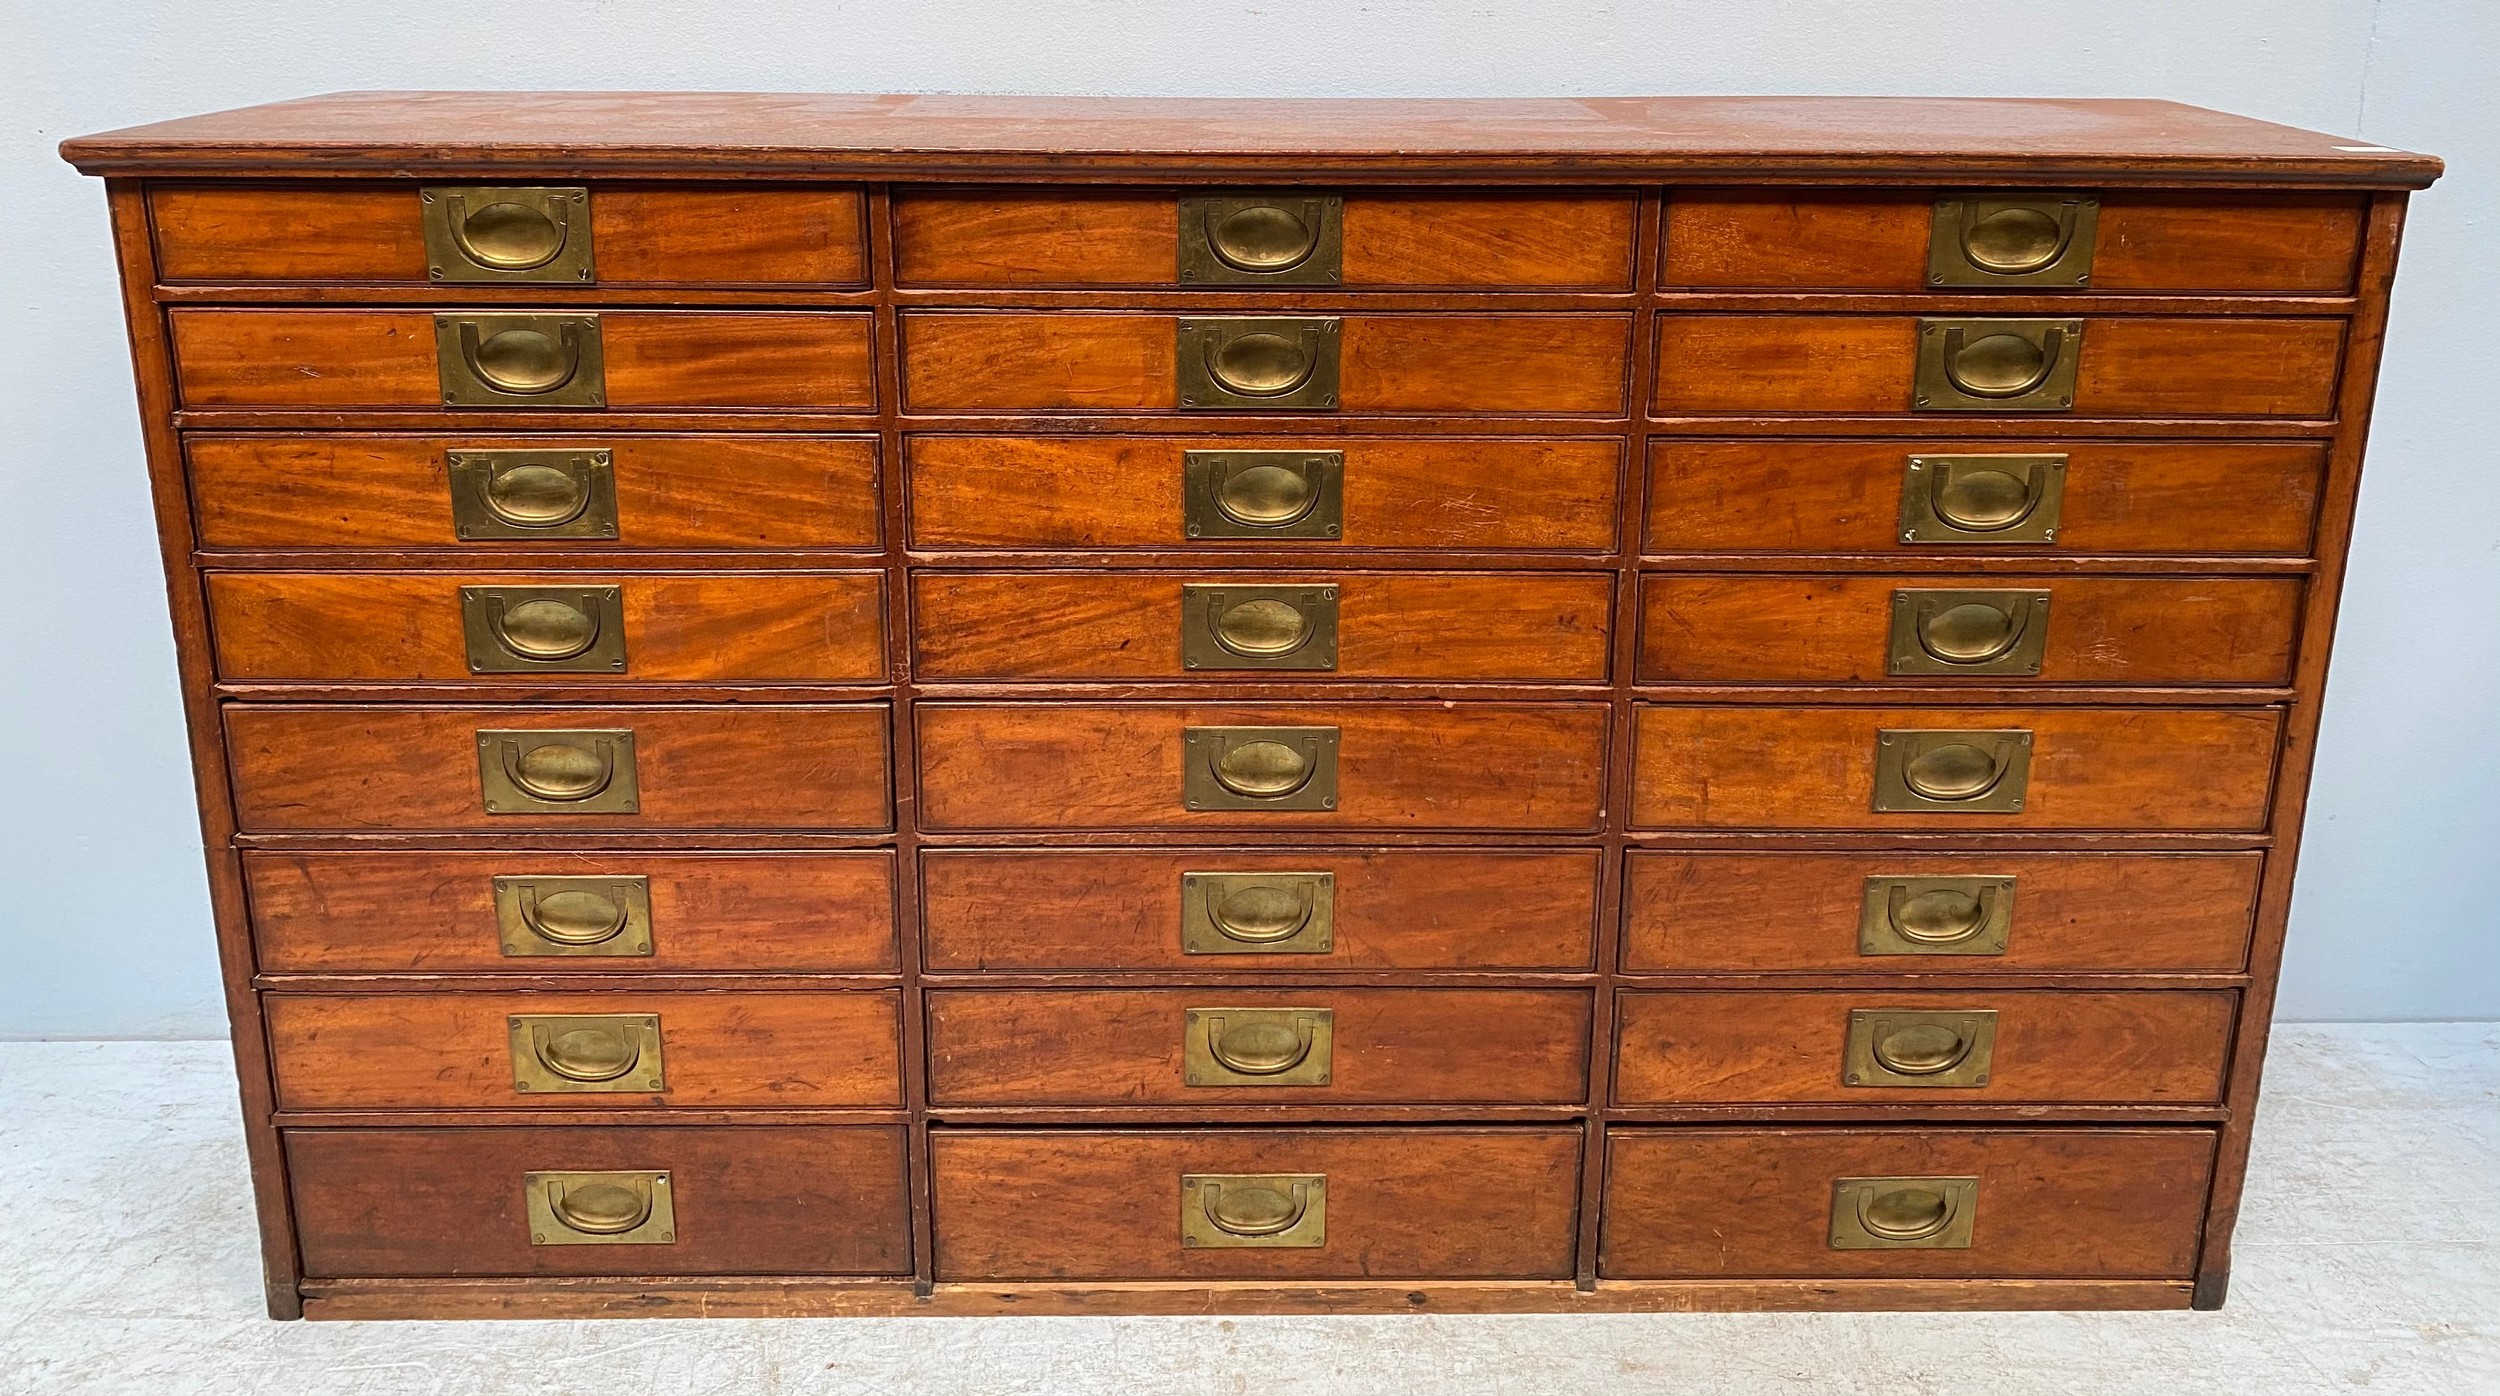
103, 914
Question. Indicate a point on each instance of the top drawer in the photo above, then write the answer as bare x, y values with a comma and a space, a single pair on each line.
449, 235
1366, 239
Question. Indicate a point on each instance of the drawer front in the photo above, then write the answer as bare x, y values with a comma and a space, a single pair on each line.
1085, 361
1989, 627
1142, 1046
1256, 626
1759, 1203
1769, 1047
1471, 494
660, 235
1460, 241
1391, 1203
312, 767
1959, 913
571, 912
2041, 496
461, 1051
1242, 912
1828, 365
503, 627
1878, 240
650, 359
721, 491
1394, 765
1702, 767
749, 1200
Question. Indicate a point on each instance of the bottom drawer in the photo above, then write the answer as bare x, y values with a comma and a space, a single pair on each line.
750, 1200
1256, 1204
1904, 1203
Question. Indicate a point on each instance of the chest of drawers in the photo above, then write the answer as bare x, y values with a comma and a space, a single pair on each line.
873, 705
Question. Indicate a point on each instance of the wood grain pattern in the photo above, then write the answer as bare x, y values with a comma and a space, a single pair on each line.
794, 627
1390, 625
1773, 912
1820, 365
723, 490
303, 767
434, 913
1400, 765
1477, 494
1707, 767
655, 359
1116, 909
758, 1200
2201, 497
1091, 361
453, 1051
2068, 1202
1838, 629
2134, 1046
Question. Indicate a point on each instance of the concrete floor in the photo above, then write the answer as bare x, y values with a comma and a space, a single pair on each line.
2369, 1260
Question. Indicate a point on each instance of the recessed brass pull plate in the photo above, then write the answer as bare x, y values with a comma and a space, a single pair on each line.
1245, 1210
1918, 1049
1936, 916
1926, 771
1257, 1046
572, 1053
520, 360
1233, 363
1263, 494
1228, 626
1259, 768
588, 916
1262, 239
601, 1209
544, 630
531, 494
538, 234
1903, 1214
1994, 365
1984, 499
1262, 913
1955, 631
2029, 238
549, 771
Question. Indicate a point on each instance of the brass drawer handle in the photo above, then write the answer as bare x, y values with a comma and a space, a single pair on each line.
1997, 365
574, 630
1257, 1046
520, 360
572, 1052
1903, 1213
574, 915
1262, 239
600, 1209
1289, 913
1258, 627
2012, 239
1968, 632
559, 771
578, 772
537, 234
1262, 494
532, 494
1983, 499
1936, 916
1244, 1210
1906, 1048
1258, 362
1259, 768
1951, 771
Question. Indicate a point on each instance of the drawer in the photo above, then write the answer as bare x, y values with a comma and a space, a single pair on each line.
1359, 1203
546, 912
585, 1051
2034, 1203
1239, 911
1880, 240
1218, 1046
1990, 627
2126, 366
2190, 769
483, 492
630, 235
631, 359
311, 767
1471, 494
1472, 240
1269, 767
748, 1200
2205, 498
503, 627
1958, 913
1088, 361
1932, 1048
1262, 626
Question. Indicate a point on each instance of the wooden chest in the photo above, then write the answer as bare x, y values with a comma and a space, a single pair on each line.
878, 705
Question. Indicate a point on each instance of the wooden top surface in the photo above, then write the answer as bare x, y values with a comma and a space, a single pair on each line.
2015, 139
